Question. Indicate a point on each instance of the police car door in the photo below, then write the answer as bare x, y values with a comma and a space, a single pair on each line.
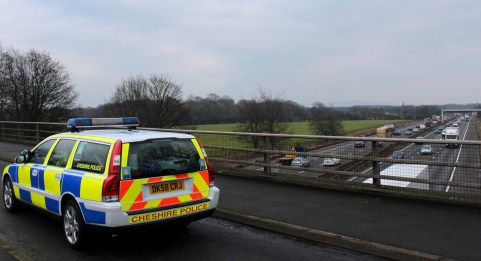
28, 173
49, 180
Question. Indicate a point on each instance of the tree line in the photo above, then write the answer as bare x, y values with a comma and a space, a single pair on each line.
36, 87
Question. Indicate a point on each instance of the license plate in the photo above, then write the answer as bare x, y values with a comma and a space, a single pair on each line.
166, 187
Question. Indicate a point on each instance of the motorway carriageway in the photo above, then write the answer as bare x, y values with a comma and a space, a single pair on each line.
411, 151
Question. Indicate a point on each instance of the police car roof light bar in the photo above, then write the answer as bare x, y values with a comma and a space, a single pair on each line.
81, 123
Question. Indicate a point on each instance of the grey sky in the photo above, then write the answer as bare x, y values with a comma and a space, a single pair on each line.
336, 52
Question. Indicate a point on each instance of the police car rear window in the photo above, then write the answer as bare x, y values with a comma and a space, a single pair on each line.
91, 157
163, 157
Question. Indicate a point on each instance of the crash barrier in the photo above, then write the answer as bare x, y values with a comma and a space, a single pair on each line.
395, 166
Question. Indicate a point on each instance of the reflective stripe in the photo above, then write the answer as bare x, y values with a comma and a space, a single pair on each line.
130, 192
24, 178
38, 200
125, 153
132, 197
16, 190
52, 205
84, 137
91, 186
51, 184
197, 147
92, 216
71, 184
25, 195
13, 171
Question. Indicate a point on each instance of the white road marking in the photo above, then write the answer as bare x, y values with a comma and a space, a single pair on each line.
457, 159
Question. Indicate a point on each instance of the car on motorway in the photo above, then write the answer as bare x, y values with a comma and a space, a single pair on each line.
426, 149
397, 154
455, 124
331, 162
419, 138
360, 143
301, 161
113, 179
416, 130
408, 133
396, 133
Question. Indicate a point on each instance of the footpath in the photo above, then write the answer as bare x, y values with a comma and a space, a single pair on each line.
394, 228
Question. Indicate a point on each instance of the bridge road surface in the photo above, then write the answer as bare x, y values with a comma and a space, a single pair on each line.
434, 228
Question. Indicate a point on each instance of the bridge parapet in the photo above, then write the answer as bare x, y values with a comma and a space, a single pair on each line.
444, 174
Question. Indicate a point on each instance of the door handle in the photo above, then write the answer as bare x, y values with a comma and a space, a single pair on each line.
58, 177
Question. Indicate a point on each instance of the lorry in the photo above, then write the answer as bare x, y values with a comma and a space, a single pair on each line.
287, 159
451, 135
383, 132
427, 122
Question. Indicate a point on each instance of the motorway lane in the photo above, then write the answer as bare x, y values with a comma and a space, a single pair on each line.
40, 237
443, 154
468, 154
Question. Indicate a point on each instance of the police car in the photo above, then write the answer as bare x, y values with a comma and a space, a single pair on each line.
113, 178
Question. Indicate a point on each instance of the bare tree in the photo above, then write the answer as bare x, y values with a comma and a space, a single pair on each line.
35, 87
263, 114
325, 121
211, 109
156, 99
3, 88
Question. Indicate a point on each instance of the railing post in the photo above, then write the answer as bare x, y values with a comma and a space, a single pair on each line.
375, 165
267, 161
18, 131
37, 133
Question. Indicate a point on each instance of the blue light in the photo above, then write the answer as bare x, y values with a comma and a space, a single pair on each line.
131, 121
77, 123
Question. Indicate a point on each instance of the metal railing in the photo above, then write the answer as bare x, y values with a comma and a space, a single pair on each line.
444, 174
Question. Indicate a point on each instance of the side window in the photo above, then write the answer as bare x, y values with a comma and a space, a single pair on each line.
61, 153
90, 157
40, 153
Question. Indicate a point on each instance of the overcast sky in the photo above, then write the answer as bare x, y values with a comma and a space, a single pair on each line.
336, 52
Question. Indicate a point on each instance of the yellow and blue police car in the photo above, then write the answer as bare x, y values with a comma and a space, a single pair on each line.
113, 178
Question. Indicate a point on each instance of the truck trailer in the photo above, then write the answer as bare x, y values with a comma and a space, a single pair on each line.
451, 136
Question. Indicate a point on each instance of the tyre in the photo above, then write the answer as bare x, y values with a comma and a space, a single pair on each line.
9, 200
74, 226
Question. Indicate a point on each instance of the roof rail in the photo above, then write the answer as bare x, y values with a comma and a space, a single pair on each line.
75, 124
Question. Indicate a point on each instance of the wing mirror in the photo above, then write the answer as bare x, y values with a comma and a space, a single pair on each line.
20, 159
23, 156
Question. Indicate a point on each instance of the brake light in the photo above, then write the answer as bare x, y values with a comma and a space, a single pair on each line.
111, 186
210, 169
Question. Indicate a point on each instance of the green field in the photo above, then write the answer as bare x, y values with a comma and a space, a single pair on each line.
303, 127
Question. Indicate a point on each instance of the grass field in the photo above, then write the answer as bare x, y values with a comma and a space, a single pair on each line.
303, 127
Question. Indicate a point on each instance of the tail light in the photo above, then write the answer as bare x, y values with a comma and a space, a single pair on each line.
210, 169
111, 187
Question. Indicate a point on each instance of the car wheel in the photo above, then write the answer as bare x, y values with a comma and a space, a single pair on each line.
9, 199
74, 227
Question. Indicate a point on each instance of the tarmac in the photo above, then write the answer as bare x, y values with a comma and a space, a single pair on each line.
394, 228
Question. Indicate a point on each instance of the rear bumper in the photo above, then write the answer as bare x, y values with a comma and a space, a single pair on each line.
111, 215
